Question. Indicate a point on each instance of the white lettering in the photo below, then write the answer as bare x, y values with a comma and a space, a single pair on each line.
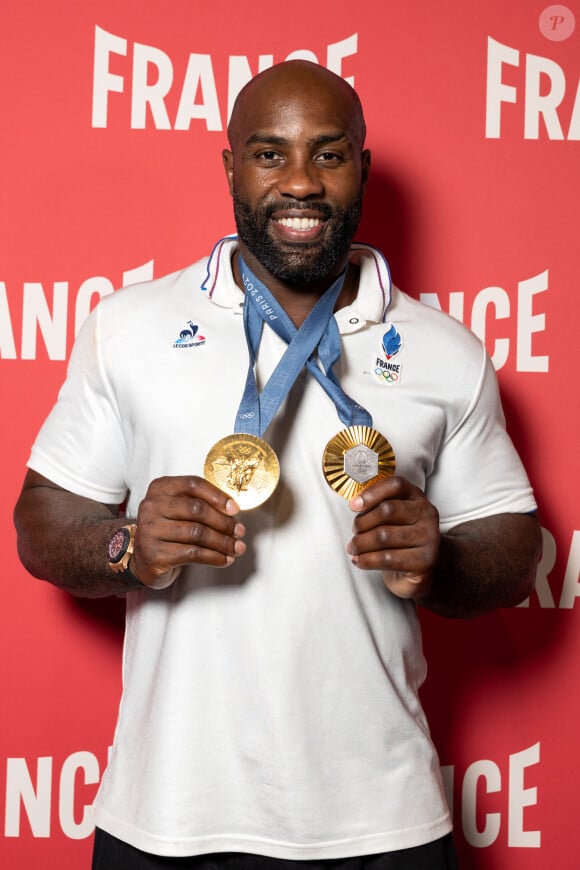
544, 93
36, 314
482, 778
199, 75
336, 53
574, 129
7, 344
571, 587
78, 761
571, 581
520, 797
35, 795
497, 91
490, 773
547, 562
547, 104
302, 54
146, 93
20, 791
529, 323
104, 81
51, 319
152, 81
498, 299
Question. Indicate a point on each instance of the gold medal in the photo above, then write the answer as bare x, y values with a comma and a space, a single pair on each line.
245, 467
355, 458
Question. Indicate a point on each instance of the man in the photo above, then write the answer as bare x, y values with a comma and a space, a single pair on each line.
272, 659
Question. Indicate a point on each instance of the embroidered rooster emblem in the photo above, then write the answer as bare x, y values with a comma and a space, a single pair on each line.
188, 333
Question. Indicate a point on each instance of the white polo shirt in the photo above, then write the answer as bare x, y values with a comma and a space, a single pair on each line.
272, 707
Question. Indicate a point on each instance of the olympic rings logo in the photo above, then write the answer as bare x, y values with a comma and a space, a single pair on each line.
389, 377
247, 416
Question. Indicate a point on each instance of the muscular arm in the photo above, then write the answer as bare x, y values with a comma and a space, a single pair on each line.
483, 565
63, 537
475, 567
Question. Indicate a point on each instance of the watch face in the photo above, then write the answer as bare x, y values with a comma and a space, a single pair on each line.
118, 545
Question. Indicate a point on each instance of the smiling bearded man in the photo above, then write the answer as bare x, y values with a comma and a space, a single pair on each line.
270, 715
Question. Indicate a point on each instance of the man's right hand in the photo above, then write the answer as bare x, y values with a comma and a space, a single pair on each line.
182, 521
63, 537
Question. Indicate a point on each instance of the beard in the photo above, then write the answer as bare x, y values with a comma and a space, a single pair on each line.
298, 263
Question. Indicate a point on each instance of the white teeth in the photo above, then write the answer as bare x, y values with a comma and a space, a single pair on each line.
299, 223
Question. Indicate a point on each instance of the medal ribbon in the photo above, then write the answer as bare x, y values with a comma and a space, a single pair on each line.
319, 330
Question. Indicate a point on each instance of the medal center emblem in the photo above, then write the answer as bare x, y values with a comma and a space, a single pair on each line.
245, 467
243, 461
361, 463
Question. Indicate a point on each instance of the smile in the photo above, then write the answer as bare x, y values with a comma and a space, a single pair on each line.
299, 223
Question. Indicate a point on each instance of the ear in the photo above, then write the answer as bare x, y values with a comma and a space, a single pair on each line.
228, 159
365, 167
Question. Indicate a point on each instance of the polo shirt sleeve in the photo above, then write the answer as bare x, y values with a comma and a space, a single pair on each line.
81, 445
478, 472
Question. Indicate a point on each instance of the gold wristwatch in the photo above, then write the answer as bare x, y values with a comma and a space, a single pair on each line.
120, 548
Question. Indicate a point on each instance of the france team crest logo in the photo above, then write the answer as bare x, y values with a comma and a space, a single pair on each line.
388, 372
391, 341
190, 336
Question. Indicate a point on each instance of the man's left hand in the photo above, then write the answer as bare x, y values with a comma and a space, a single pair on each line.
396, 531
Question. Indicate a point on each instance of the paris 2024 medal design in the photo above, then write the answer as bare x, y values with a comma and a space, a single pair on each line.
245, 467
355, 458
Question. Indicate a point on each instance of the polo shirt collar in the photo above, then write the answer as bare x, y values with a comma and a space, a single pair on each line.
370, 305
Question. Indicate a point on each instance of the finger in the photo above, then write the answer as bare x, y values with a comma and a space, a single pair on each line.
385, 488
196, 502
166, 555
406, 586
414, 564
195, 488
194, 533
181, 544
393, 513
176, 516
409, 506
387, 537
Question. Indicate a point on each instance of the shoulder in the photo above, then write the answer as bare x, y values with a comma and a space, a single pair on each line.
435, 356
158, 291
432, 335
431, 322
147, 309
136, 319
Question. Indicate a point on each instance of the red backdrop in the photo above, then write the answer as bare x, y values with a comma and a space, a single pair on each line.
112, 123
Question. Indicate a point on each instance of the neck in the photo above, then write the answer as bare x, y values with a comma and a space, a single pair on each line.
298, 303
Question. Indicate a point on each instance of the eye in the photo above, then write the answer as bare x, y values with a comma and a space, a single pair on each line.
268, 156
329, 158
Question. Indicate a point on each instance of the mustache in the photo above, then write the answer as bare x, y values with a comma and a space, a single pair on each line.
323, 208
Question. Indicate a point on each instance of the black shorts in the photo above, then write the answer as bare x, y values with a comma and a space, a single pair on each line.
112, 854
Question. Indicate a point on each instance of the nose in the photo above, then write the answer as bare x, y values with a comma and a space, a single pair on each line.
301, 178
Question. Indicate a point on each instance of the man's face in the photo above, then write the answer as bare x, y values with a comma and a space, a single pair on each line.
297, 177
